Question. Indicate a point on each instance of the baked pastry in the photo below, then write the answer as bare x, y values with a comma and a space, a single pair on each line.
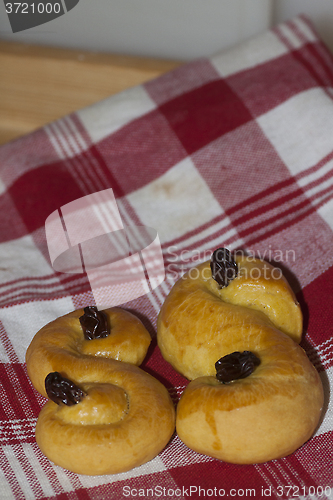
232, 326
105, 415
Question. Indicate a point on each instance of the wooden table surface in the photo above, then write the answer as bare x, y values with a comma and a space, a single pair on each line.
40, 84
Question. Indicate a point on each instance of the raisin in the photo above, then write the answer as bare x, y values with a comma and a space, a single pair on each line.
223, 266
236, 365
94, 323
62, 390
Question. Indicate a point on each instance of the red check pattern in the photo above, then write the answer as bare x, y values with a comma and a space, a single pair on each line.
234, 150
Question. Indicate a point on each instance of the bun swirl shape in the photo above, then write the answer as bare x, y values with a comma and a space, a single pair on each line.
105, 415
233, 329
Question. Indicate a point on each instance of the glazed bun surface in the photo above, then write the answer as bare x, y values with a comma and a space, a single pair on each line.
105, 415
274, 409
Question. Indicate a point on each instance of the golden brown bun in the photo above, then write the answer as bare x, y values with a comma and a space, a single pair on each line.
61, 342
273, 411
127, 416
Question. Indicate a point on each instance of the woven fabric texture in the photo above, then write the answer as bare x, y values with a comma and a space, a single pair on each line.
235, 150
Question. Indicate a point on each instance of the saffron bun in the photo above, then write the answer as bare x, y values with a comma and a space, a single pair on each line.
274, 407
105, 414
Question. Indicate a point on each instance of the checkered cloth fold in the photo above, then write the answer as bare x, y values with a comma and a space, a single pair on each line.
235, 150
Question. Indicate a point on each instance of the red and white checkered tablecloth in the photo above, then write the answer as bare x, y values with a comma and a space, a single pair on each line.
235, 150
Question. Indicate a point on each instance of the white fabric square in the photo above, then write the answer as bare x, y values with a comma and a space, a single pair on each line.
21, 258
175, 203
300, 129
23, 321
109, 115
256, 51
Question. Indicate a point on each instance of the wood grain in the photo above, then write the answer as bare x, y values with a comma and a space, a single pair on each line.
41, 84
